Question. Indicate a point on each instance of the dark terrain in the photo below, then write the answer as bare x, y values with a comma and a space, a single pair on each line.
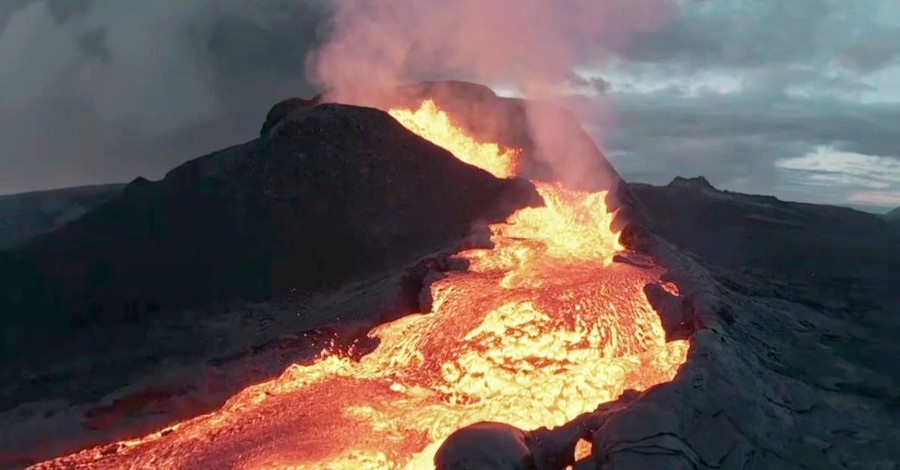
23, 216
232, 261
338, 193
794, 364
839, 259
893, 216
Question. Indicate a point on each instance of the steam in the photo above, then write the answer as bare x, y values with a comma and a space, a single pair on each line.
531, 46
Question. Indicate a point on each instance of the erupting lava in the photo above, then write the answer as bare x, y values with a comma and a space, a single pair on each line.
537, 330
432, 123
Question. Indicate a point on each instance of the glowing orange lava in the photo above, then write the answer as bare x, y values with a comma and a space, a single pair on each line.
435, 125
538, 329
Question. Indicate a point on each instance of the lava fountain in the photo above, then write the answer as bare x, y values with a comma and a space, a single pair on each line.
535, 331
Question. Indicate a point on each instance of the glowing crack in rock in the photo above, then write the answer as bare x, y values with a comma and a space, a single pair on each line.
539, 329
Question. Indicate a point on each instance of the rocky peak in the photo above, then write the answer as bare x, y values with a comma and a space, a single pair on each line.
695, 183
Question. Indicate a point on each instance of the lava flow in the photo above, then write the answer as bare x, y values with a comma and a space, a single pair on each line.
435, 125
537, 330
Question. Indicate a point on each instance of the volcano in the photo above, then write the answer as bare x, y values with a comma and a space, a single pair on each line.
437, 269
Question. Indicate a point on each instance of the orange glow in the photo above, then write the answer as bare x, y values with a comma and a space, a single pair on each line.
582, 449
434, 125
538, 329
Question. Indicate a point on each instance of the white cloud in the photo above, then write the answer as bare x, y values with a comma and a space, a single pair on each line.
876, 198
865, 179
827, 160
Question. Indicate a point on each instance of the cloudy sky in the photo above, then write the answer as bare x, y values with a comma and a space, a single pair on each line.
798, 98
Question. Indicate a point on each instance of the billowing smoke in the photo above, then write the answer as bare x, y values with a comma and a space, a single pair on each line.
104, 90
532, 46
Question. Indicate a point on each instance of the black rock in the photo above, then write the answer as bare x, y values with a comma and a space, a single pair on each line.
575, 158
337, 193
893, 216
280, 110
23, 216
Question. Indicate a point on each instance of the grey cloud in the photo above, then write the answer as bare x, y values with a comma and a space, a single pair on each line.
735, 140
720, 33
100, 91
873, 129
93, 44
873, 51
261, 58
594, 84
63, 10
7, 9
800, 69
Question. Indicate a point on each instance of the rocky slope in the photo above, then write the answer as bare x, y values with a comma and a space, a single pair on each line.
839, 258
793, 365
23, 216
338, 194
893, 216
554, 145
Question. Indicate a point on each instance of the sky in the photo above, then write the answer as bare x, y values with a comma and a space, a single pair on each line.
799, 99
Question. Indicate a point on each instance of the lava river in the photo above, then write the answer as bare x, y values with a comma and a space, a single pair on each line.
532, 332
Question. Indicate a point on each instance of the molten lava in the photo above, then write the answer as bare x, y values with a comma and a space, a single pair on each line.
435, 125
537, 330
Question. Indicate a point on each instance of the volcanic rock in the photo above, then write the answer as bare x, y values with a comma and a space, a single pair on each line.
838, 253
280, 111
334, 194
511, 122
23, 216
893, 216
794, 362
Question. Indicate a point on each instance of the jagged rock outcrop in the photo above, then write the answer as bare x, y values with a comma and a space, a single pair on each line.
335, 193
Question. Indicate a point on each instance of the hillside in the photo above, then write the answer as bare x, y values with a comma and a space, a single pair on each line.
26, 215
893, 216
339, 193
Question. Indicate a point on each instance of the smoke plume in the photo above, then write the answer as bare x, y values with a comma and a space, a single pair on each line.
532, 46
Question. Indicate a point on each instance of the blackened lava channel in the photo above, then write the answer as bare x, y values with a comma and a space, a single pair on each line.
335, 193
